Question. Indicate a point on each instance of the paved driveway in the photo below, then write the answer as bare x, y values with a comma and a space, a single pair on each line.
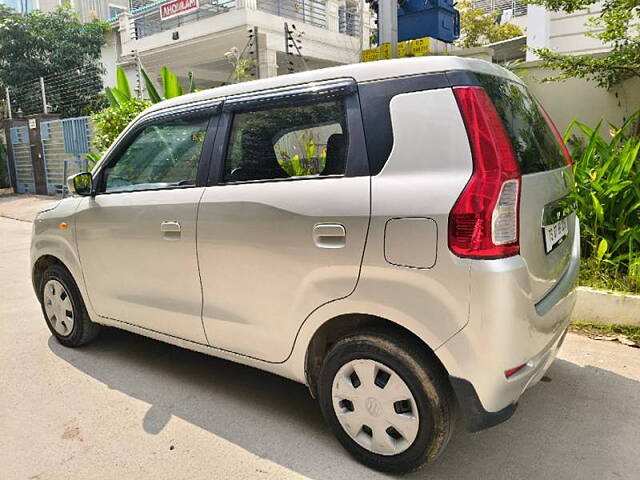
129, 407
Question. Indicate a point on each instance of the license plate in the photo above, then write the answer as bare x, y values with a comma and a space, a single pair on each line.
555, 233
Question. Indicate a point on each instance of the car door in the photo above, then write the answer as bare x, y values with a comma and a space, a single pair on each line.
282, 228
137, 235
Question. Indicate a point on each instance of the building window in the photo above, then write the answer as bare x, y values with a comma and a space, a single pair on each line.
21, 6
348, 21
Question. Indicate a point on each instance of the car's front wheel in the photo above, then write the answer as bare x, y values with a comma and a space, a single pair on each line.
64, 310
387, 400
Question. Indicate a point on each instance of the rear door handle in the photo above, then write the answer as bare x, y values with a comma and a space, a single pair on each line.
170, 230
329, 235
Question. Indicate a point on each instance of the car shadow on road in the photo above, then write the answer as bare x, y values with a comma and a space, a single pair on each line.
577, 425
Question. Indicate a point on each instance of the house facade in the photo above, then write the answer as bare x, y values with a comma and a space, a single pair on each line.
194, 36
87, 9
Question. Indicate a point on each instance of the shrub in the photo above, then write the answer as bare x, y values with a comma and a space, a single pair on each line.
112, 120
607, 194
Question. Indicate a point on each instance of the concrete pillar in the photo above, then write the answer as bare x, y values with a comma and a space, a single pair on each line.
388, 24
37, 154
333, 22
126, 28
7, 124
538, 30
366, 26
268, 62
248, 4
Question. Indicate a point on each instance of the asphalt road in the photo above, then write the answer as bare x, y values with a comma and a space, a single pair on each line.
129, 407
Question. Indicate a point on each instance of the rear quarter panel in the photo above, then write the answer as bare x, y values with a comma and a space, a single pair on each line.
429, 165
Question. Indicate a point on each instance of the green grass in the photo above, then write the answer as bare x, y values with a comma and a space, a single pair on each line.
629, 331
605, 276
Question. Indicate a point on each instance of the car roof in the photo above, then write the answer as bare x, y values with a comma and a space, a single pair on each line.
360, 72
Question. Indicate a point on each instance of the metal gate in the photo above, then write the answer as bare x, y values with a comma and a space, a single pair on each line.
25, 182
65, 144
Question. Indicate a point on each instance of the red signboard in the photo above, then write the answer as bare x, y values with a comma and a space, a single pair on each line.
177, 7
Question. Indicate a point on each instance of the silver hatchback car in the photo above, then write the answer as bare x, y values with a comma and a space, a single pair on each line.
395, 235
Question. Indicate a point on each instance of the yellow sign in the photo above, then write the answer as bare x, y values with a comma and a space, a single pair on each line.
385, 51
371, 55
420, 46
411, 48
403, 49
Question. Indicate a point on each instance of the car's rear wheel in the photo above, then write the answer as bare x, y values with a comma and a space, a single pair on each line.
64, 310
387, 400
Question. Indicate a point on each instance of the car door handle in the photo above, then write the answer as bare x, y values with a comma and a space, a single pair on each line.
170, 227
329, 235
170, 230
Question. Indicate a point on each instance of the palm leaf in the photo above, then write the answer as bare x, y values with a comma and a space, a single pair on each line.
123, 83
154, 96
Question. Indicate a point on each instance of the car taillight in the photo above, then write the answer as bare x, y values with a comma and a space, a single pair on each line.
484, 220
565, 150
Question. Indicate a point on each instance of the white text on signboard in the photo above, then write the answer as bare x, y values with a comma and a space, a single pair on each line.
177, 7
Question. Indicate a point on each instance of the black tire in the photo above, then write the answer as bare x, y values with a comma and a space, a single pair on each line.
83, 330
426, 380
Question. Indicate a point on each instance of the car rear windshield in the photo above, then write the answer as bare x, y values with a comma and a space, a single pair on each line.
533, 139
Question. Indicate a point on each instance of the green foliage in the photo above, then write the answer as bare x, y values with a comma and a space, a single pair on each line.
241, 65
53, 45
312, 162
110, 122
632, 332
154, 96
82, 183
170, 83
121, 93
595, 273
192, 83
607, 194
616, 25
124, 107
479, 28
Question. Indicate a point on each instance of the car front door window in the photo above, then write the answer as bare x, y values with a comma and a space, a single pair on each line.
161, 156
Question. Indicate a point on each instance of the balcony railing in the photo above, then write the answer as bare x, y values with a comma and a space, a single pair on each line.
518, 7
313, 12
146, 20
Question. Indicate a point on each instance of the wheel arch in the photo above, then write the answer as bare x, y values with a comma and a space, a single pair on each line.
346, 324
40, 266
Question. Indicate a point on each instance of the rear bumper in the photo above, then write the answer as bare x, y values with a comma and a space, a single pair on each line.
476, 417
506, 330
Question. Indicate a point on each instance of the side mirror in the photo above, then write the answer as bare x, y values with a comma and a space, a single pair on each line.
80, 184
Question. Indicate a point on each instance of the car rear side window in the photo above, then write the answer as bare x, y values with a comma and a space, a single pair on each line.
284, 142
534, 142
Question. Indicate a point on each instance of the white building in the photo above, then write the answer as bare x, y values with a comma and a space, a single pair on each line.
87, 9
193, 36
563, 33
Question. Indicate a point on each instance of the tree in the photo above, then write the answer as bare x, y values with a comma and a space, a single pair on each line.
616, 25
478, 28
56, 46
